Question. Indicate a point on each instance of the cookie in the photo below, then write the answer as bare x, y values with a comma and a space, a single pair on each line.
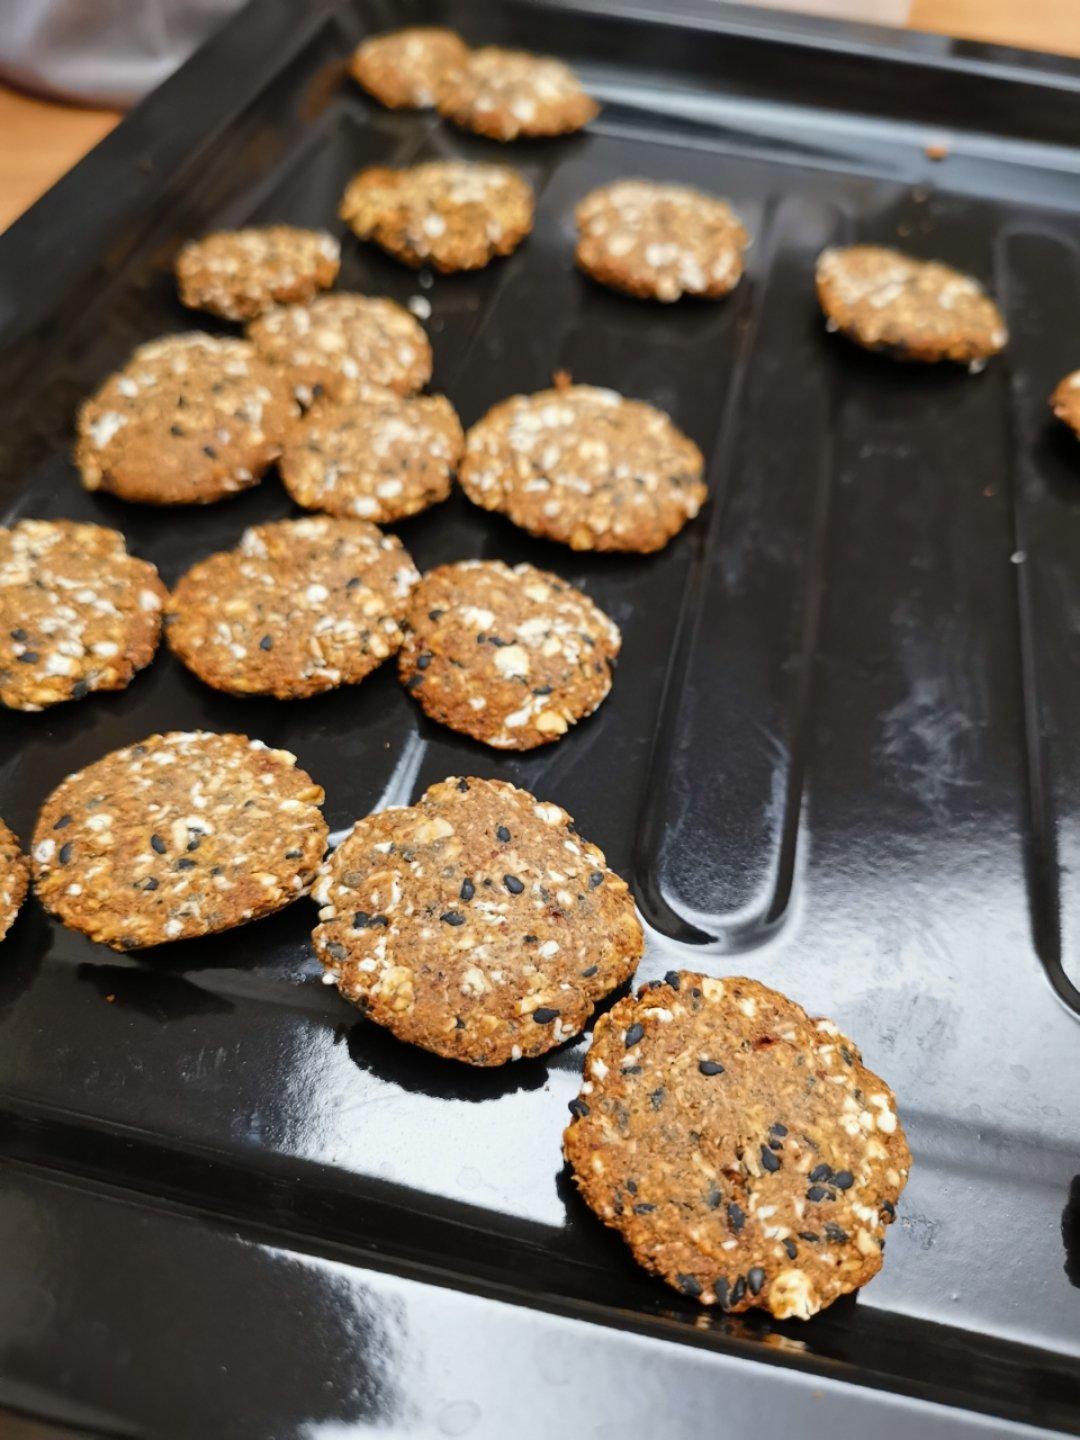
77, 612
378, 456
914, 309
299, 607
509, 94
512, 657
740, 1148
182, 835
659, 242
336, 342
14, 879
239, 274
452, 214
586, 467
476, 923
188, 420
402, 68
1065, 401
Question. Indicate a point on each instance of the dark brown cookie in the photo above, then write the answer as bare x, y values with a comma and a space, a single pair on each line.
299, 607
182, 835
476, 923
584, 466
378, 456
188, 420
512, 657
508, 94
402, 69
14, 878
914, 309
1065, 401
453, 214
659, 242
239, 274
740, 1148
77, 612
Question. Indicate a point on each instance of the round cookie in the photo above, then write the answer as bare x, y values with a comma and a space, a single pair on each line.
453, 214
476, 923
914, 309
185, 834
584, 466
299, 607
659, 242
336, 342
402, 69
507, 94
739, 1147
378, 456
14, 879
77, 612
512, 657
1065, 401
239, 274
188, 420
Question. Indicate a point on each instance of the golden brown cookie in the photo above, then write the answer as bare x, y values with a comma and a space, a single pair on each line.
453, 214
239, 274
512, 657
508, 94
659, 242
378, 456
337, 342
476, 923
14, 879
299, 607
1065, 401
740, 1148
188, 420
402, 69
584, 466
914, 309
182, 835
77, 612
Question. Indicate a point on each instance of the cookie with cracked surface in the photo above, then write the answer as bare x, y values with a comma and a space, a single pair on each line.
77, 612
741, 1148
337, 342
453, 214
586, 467
189, 419
513, 94
512, 657
299, 607
476, 923
379, 456
14, 878
182, 835
659, 242
1065, 401
913, 309
402, 68
239, 274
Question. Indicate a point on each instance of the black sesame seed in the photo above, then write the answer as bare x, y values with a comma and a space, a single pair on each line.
452, 917
423, 661
843, 1179
631, 1185
513, 884
629, 1069
335, 951
736, 1218
713, 1198
148, 883
816, 1194
755, 1278
62, 823
28, 657
293, 854
414, 682
643, 1208
595, 879
544, 1016
722, 1292
889, 1209
768, 1160
176, 430
80, 689
656, 1097
672, 978
836, 1234
791, 1248
468, 889
738, 1291
688, 1285
20, 635
821, 1172
65, 853
503, 834
266, 643
158, 844
435, 614
525, 939
578, 1107
379, 920
194, 841
710, 1067
361, 920
633, 1034
778, 1129
210, 451
185, 864
542, 689
589, 971
463, 786
809, 1237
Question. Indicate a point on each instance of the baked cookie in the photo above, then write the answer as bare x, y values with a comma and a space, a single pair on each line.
584, 466
14, 879
914, 309
659, 241
336, 342
512, 657
378, 456
402, 68
1065, 401
239, 274
182, 835
476, 923
189, 419
740, 1148
77, 612
453, 214
507, 94
299, 607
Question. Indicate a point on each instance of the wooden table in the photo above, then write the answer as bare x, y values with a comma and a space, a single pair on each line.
39, 140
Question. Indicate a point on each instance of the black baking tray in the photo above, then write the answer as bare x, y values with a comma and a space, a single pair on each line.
841, 756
